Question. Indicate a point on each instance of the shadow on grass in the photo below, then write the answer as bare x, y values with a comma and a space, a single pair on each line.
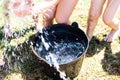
1, 36
21, 59
95, 46
110, 62
17, 58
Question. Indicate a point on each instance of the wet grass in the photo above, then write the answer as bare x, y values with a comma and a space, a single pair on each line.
102, 61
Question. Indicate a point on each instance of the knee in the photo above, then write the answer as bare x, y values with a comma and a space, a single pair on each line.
93, 17
61, 20
107, 20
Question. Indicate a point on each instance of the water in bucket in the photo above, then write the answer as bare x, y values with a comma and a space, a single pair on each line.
64, 51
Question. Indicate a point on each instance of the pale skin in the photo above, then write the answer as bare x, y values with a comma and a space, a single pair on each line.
60, 10
109, 17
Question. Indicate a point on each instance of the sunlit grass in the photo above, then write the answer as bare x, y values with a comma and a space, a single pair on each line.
14, 76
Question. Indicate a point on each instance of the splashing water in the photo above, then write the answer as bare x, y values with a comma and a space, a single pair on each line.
46, 45
53, 59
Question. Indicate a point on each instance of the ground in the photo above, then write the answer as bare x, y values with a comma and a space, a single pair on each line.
101, 62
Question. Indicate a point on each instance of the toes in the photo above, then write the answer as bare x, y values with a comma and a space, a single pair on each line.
108, 39
111, 36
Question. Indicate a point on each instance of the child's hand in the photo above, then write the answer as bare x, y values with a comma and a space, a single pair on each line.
22, 8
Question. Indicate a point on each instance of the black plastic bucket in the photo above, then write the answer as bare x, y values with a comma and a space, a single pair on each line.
64, 41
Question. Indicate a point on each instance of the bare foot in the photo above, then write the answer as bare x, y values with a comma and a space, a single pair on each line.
111, 36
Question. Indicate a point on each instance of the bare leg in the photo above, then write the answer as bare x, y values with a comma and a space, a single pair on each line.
110, 19
64, 10
94, 14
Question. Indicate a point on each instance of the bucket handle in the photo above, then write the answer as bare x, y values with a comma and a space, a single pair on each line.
74, 24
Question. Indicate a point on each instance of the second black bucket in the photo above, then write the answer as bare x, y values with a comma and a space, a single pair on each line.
67, 42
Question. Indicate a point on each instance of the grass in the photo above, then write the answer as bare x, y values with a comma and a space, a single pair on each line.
102, 60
